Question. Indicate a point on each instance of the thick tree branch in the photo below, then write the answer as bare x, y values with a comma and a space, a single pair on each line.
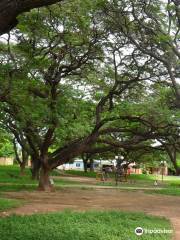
10, 9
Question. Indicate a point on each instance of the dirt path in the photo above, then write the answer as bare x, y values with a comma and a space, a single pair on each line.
103, 199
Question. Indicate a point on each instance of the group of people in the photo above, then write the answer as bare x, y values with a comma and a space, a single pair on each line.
121, 172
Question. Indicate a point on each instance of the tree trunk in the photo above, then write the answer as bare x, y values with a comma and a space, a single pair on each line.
172, 155
85, 160
35, 167
177, 168
91, 165
16, 152
24, 162
22, 168
44, 180
178, 171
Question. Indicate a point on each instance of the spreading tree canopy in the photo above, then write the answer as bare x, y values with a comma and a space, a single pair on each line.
73, 84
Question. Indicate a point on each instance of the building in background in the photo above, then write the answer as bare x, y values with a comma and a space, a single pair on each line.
6, 161
79, 165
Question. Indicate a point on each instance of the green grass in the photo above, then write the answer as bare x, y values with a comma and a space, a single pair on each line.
81, 173
62, 182
138, 177
175, 184
178, 160
142, 177
6, 204
17, 187
11, 174
171, 180
80, 226
10, 180
172, 191
14, 187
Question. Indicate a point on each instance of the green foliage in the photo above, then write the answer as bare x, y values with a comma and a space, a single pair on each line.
67, 57
79, 226
6, 149
43, 36
6, 146
178, 159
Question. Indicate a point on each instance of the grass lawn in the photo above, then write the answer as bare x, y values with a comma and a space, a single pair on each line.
143, 177
170, 185
173, 191
81, 173
17, 187
80, 226
10, 174
10, 180
8, 203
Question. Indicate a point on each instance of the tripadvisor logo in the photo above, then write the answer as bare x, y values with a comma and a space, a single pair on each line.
139, 231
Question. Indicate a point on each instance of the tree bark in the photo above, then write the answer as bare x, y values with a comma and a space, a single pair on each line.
35, 171
44, 180
35, 167
178, 171
24, 162
173, 158
91, 165
22, 168
176, 167
10, 9
85, 165
16, 152
85, 161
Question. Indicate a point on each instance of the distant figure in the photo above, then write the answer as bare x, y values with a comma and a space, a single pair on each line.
107, 170
100, 175
155, 183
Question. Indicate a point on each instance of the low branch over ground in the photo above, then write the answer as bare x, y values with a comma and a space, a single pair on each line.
10, 9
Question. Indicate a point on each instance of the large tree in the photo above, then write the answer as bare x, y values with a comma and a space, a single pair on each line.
40, 102
69, 83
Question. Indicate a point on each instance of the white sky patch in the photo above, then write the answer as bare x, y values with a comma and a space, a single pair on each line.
156, 144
